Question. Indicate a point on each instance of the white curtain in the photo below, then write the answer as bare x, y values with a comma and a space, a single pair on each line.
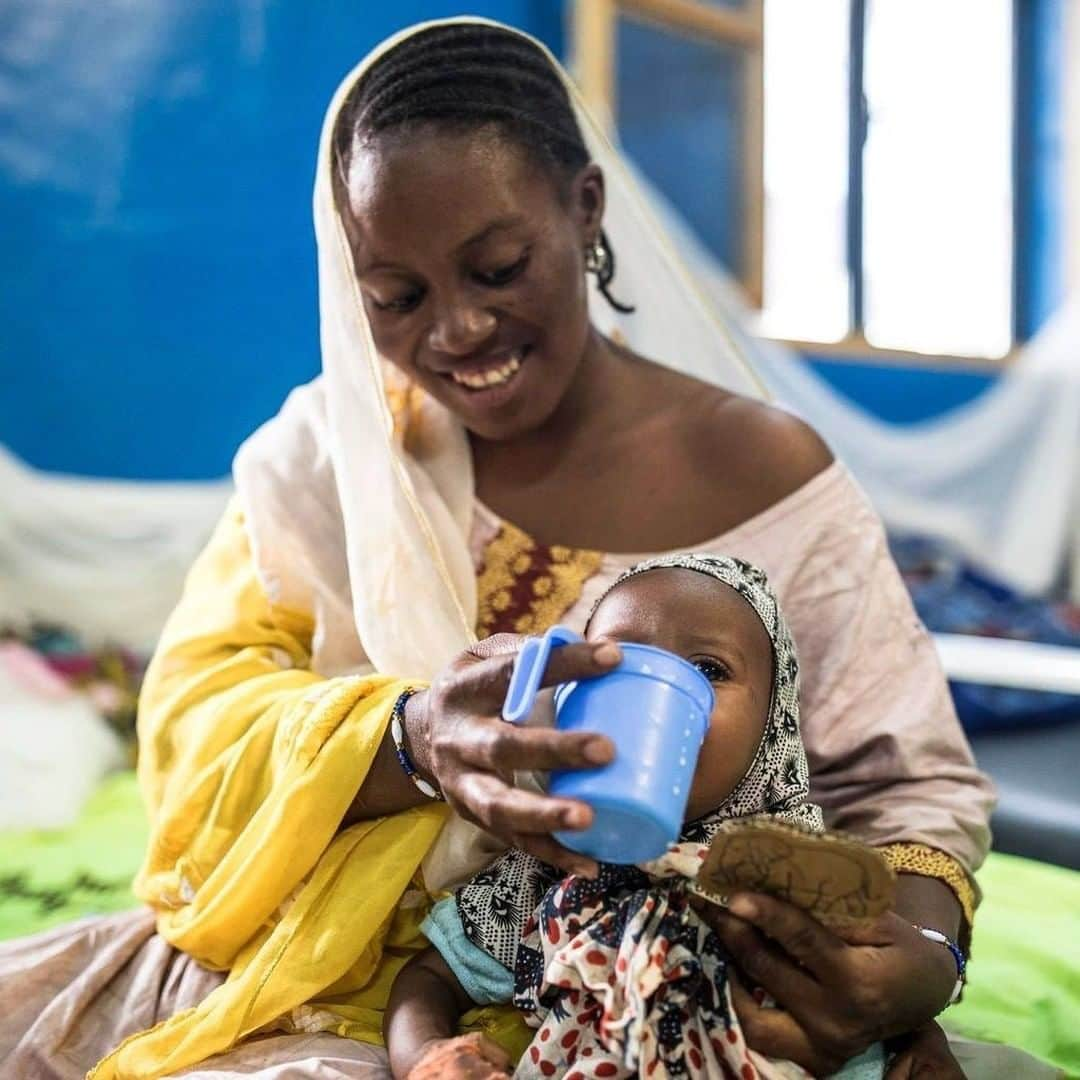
104, 558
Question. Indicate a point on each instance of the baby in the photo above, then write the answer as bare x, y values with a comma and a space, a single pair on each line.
617, 973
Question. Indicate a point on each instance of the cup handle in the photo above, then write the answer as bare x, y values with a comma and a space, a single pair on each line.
529, 670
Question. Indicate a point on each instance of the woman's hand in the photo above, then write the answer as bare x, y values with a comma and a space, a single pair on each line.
457, 739
836, 994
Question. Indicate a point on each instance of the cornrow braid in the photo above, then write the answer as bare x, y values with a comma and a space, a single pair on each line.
464, 76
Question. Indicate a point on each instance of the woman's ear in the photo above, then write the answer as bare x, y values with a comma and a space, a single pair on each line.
587, 203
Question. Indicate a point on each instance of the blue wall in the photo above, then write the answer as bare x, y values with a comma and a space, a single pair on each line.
899, 394
157, 291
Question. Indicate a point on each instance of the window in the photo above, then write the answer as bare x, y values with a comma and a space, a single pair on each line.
888, 173
879, 211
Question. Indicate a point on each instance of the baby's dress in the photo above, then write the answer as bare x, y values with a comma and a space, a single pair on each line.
620, 978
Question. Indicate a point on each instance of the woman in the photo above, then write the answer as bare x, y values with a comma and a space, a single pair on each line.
477, 443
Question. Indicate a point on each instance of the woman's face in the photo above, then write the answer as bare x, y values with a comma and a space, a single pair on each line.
711, 625
470, 263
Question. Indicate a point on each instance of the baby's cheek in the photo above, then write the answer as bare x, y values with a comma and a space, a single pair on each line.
713, 778
725, 756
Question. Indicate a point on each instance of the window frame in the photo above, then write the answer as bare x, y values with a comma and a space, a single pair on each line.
593, 33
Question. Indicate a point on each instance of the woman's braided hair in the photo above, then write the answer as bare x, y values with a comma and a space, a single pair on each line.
464, 76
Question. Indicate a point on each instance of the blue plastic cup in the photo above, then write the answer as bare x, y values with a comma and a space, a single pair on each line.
655, 708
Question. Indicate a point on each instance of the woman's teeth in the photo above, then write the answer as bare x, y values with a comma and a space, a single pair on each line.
496, 376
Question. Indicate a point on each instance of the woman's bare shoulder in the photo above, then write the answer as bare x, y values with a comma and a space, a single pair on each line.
778, 449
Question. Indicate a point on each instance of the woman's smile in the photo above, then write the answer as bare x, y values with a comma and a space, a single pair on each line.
489, 383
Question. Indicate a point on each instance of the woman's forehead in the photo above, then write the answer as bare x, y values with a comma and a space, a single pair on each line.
442, 189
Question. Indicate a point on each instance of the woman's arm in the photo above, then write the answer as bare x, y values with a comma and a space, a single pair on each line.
889, 762
837, 994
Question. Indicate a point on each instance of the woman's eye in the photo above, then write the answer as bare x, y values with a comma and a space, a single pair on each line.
712, 669
400, 304
504, 274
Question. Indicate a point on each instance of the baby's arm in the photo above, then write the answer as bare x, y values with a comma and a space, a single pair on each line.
426, 1001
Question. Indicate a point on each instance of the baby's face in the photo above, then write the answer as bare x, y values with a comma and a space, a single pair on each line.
715, 629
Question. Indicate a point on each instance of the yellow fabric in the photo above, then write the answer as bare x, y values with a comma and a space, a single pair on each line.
248, 763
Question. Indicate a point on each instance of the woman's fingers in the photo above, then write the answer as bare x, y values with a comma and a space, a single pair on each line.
525, 819
484, 679
763, 963
506, 810
798, 934
581, 661
500, 747
498, 645
777, 1034
550, 851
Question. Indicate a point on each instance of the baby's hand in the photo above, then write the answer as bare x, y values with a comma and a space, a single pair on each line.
466, 1057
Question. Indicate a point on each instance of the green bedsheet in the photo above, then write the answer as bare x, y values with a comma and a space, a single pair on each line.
1024, 976
47, 878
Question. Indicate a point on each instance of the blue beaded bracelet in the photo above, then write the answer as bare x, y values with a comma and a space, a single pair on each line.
957, 955
397, 733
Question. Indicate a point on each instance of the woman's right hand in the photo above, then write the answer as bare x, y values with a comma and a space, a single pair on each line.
459, 741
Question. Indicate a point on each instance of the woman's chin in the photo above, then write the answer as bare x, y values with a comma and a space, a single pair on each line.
502, 412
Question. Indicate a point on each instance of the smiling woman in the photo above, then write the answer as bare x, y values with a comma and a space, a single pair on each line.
411, 159
480, 454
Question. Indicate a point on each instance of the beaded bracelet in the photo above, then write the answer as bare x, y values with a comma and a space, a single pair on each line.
957, 954
397, 733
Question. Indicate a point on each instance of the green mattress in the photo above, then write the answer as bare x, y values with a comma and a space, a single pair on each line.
1024, 976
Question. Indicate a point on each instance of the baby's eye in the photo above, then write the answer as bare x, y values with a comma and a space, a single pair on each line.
712, 669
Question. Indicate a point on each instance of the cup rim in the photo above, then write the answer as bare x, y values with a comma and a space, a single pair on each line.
699, 690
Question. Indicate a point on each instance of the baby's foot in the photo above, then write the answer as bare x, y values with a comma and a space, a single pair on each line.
467, 1057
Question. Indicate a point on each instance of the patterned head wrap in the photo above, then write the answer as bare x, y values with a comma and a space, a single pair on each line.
495, 905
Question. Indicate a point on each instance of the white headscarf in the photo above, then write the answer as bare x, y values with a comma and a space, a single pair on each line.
371, 537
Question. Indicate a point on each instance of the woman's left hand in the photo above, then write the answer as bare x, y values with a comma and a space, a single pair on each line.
836, 994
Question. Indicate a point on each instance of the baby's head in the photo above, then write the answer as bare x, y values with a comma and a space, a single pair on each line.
720, 615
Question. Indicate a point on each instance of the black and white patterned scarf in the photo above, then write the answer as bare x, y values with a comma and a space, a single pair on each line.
498, 902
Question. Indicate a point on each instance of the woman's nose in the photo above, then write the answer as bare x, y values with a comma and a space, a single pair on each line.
461, 328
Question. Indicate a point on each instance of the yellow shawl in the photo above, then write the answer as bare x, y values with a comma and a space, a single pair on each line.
249, 761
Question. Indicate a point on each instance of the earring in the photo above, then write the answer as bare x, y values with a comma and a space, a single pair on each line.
597, 258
